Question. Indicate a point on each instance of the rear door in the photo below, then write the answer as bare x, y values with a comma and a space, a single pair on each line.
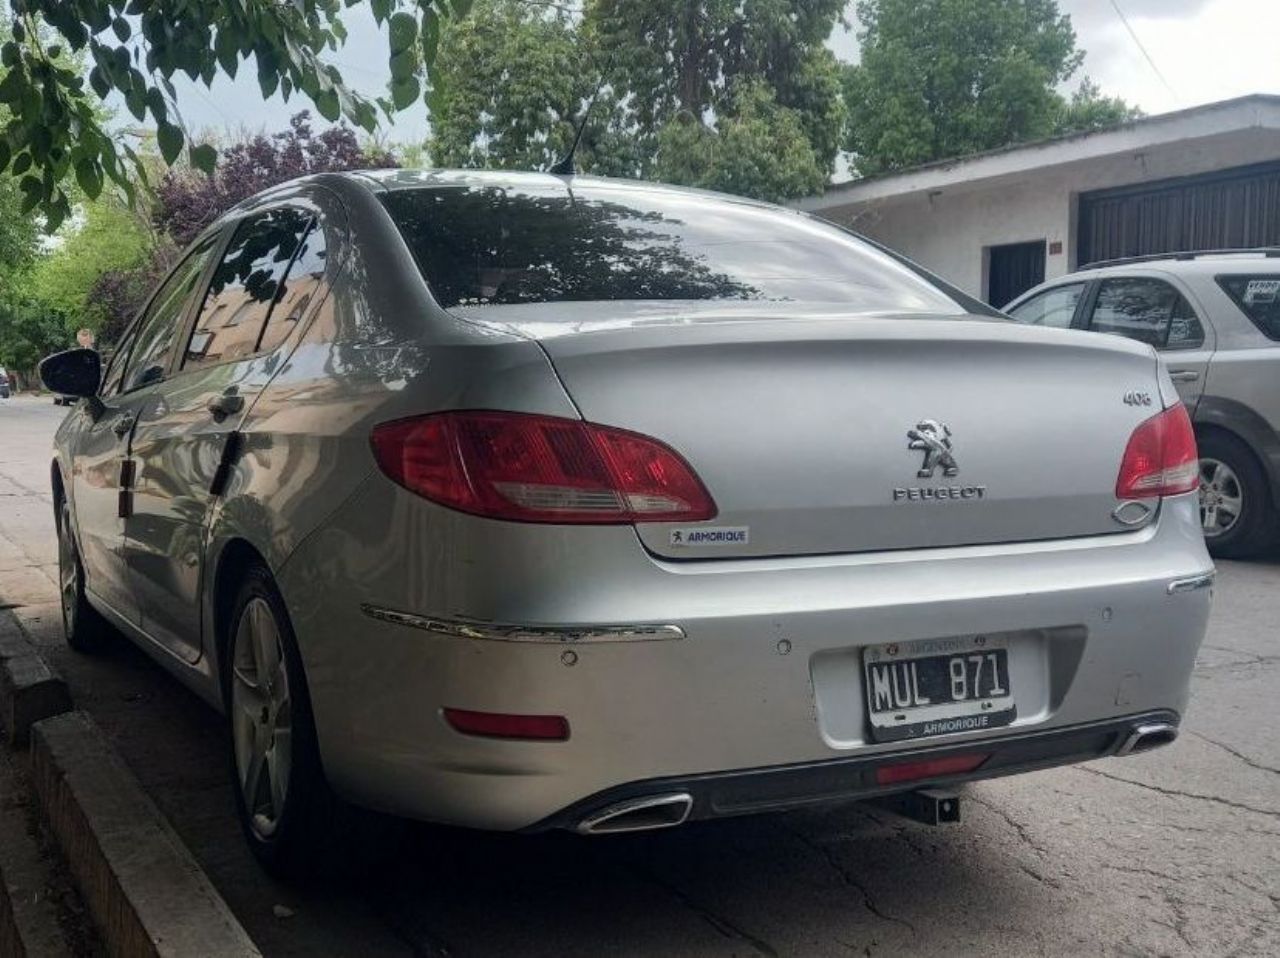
1152, 310
101, 481
257, 296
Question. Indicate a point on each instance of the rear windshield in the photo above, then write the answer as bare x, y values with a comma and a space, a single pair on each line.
1258, 296
488, 245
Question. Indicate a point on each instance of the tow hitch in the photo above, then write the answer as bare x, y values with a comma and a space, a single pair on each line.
930, 806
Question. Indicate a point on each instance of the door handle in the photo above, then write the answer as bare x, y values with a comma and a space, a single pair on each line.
225, 405
1184, 375
122, 426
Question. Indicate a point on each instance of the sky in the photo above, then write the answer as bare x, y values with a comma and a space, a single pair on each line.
1202, 50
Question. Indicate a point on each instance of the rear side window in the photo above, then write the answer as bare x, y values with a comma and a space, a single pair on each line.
1148, 310
487, 245
1054, 307
245, 286
152, 342
1259, 298
301, 287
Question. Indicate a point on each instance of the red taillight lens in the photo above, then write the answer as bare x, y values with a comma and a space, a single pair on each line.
540, 469
544, 728
929, 768
1161, 458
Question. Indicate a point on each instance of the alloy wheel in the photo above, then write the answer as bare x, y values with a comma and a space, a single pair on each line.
68, 570
261, 716
1221, 498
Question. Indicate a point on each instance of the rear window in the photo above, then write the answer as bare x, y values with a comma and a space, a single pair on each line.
1258, 296
489, 245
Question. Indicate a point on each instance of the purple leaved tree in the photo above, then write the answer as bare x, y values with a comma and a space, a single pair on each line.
186, 201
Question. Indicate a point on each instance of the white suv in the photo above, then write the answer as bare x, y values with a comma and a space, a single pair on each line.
1214, 317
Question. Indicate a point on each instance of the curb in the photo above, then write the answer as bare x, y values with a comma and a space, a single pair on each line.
146, 892
29, 926
29, 689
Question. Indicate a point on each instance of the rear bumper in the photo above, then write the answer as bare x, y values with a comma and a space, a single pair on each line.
725, 794
768, 675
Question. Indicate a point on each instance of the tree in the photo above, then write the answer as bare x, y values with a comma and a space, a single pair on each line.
757, 149
105, 235
55, 130
187, 201
684, 57
512, 84
23, 332
18, 233
55, 292
1089, 110
758, 109
944, 78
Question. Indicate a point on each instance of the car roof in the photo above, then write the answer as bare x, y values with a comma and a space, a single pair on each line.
405, 179
1208, 263
384, 181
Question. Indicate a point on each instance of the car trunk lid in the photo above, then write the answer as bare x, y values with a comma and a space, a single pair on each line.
822, 432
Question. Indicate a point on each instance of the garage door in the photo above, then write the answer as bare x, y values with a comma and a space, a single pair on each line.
1229, 210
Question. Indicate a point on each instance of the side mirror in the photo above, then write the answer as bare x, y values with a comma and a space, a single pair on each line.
76, 372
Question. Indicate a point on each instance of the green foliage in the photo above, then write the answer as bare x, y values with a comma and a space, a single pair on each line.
18, 233
1089, 110
943, 78
683, 60
684, 56
44, 300
758, 110
110, 237
27, 334
511, 85
53, 128
757, 149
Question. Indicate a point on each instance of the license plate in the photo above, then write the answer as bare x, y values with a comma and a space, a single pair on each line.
937, 687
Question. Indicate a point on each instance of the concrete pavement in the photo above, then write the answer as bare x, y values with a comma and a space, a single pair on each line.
1172, 853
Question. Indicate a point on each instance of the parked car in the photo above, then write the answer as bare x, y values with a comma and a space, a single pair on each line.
530, 502
1215, 319
4, 383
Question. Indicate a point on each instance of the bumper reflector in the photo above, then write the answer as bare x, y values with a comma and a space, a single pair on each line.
543, 728
929, 768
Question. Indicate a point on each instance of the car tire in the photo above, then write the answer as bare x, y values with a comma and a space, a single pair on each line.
293, 822
1232, 481
84, 628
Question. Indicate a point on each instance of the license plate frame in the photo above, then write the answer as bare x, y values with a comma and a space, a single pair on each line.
989, 706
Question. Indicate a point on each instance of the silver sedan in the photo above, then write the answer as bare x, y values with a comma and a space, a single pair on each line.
529, 502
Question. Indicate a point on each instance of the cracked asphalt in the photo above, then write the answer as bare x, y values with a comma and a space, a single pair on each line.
1176, 852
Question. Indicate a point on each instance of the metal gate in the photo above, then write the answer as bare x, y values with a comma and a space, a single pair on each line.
1234, 209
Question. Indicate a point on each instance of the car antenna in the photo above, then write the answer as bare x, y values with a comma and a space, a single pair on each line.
565, 166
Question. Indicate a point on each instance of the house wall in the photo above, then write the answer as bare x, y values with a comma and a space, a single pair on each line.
950, 229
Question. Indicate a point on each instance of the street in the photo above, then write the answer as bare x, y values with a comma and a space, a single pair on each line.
1176, 852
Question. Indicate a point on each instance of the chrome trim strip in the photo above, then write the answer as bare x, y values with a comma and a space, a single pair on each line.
496, 631
1191, 583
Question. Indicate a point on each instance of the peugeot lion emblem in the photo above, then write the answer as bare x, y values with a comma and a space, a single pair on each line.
933, 438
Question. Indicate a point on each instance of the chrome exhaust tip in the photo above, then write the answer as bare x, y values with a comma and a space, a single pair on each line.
639, 815
1143, 738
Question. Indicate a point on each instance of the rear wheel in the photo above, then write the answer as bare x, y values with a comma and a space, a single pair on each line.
1236, 511
84, 628
289, 816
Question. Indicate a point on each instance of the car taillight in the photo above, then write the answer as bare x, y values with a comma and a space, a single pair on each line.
530, 468
1161, 458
